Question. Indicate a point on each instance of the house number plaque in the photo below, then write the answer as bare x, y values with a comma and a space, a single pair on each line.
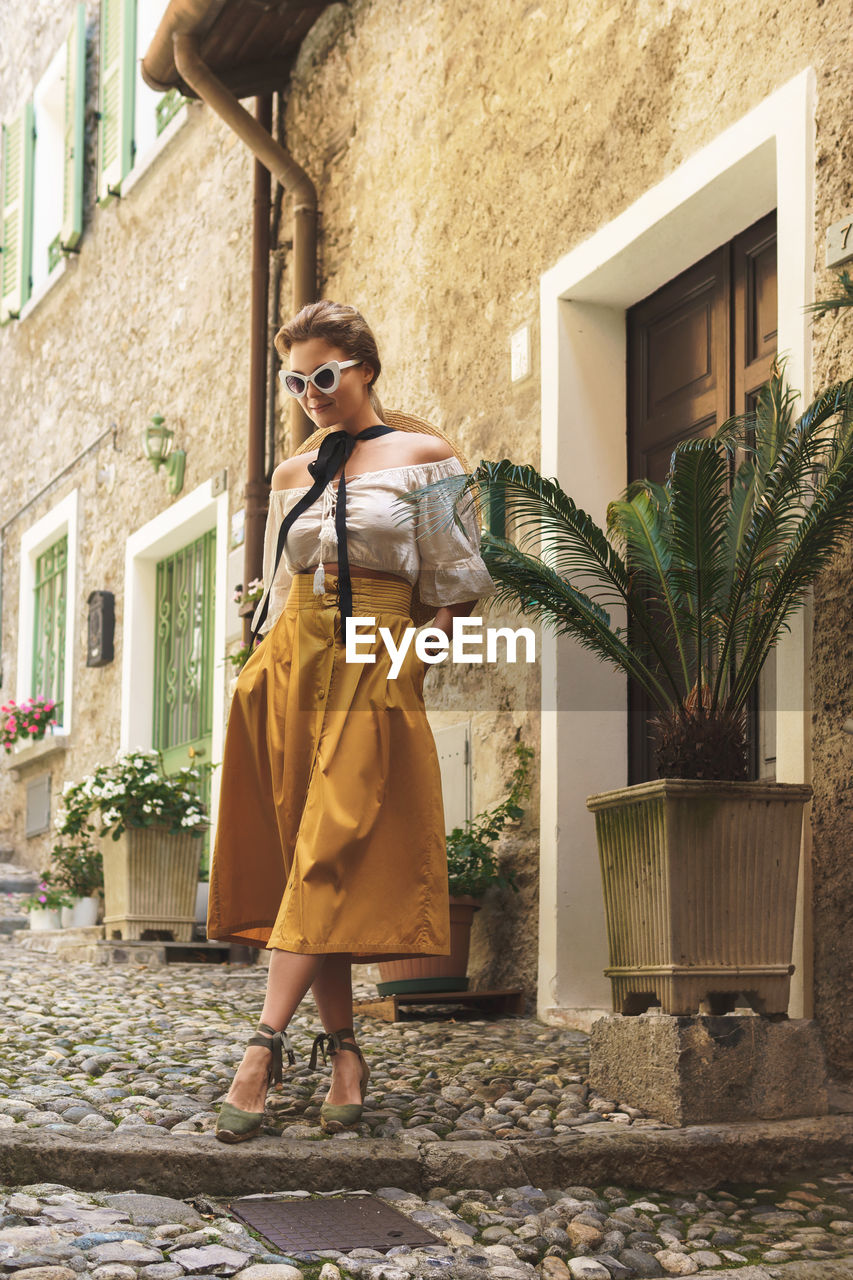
839, 242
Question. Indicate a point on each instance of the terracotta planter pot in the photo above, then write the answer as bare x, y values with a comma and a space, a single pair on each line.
700, 886
434, 973
150, 880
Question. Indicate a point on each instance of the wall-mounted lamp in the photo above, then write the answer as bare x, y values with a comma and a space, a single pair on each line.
157, 446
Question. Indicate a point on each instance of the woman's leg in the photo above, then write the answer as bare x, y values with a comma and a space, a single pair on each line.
290, 976
332, 990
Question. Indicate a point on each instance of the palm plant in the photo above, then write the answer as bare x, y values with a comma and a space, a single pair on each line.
692, 582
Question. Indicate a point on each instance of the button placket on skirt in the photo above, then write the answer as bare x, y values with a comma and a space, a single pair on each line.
326, 605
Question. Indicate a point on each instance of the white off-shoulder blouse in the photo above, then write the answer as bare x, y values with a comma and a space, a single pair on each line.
445, 562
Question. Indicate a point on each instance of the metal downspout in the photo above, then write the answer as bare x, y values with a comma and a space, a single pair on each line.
273, 158
257, 487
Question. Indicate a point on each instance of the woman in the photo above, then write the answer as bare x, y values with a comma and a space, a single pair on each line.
330, 841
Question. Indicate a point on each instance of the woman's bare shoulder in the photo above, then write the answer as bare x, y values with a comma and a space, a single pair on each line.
426, 448
293, 472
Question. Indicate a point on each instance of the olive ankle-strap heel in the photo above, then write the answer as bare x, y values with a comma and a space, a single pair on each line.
337, 1116
236, 1125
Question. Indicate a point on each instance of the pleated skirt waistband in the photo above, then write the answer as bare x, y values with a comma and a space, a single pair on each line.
369, 595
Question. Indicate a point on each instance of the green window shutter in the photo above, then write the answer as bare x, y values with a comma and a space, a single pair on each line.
17, 203
49, 625
115, 137
75, 112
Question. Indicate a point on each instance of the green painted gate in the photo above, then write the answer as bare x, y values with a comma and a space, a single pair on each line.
183, 659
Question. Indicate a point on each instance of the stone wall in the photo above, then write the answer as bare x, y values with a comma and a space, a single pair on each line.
152, 314
832, 653
459, 149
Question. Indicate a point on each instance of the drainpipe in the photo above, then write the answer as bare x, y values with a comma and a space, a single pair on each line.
277, 261
273, 159
281, 165
257, 488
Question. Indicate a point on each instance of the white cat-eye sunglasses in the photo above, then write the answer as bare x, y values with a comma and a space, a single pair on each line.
326, 377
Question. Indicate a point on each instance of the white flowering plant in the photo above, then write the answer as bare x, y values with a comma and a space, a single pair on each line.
135, 791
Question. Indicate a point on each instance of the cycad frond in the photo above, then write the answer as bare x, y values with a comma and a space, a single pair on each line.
698, 482
640, 523
708, 574
533, 586
825, 529
545, 521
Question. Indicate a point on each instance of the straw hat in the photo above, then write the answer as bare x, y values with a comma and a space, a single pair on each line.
421, 613
401, 422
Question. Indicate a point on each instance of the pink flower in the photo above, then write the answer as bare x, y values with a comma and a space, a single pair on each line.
10, 725
54, 722
32, 729
42, 897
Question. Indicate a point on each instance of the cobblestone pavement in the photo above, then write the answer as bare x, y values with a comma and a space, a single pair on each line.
107, 1048
48, 1232
130, 1048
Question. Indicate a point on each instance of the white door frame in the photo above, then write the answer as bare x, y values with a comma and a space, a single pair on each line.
186, 520
764, 161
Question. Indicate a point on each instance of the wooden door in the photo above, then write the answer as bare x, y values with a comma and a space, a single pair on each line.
699, 349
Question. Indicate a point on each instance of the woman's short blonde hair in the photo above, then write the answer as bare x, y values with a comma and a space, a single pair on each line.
340, 325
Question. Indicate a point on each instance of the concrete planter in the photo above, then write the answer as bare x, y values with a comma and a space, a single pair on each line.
700, 883
434, 973
150, 880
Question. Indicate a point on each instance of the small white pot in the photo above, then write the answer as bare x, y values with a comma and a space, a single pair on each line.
201, 895
42, 919
66, 914
83, 914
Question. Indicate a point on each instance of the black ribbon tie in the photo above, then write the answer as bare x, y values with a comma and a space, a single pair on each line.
335, 450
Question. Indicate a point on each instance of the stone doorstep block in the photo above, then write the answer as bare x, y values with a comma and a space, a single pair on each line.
60, 942
697, 1069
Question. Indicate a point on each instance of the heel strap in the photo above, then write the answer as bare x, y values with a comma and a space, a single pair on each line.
333, 1042
275, 1041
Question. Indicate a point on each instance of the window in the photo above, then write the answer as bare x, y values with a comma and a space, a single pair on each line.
49, 107
49, 610
45, 613
132, 116
17, 192
153, 110
42, 188
42, 149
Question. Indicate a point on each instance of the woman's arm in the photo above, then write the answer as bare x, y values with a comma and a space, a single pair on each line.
447, 612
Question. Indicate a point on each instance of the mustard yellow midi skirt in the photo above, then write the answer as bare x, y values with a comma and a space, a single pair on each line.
330, 834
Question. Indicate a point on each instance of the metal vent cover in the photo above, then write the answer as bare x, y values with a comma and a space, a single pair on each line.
339, 1222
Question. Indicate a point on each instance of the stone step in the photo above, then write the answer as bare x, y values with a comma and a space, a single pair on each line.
10, 924
14, 879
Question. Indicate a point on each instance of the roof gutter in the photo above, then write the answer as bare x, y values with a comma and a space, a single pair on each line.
273, 157
181, 24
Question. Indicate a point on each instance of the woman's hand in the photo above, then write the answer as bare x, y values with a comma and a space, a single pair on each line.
444, 617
